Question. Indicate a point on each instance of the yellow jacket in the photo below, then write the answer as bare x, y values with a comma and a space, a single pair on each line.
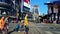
25, 21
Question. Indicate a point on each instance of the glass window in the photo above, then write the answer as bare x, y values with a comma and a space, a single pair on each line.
36, 11
3, 0
0, 0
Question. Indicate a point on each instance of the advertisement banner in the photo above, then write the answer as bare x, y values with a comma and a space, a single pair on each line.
27, 3
26, 9
49, 9
55, 9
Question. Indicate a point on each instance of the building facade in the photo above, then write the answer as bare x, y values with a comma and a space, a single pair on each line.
35, 12
54, 11
10, 7
15, 8
25, 8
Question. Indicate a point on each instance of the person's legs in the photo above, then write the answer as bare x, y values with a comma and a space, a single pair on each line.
6, 29
26, 30
0, 31
16, 30
3, 31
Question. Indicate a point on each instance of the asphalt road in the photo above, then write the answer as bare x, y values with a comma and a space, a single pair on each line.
48, 28
41, 28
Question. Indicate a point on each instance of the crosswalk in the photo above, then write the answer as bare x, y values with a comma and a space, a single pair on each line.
40, 29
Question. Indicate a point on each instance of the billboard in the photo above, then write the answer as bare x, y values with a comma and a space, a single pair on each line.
27, 3
55, 9
26, 9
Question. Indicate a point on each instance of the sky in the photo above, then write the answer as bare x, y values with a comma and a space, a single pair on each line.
42, 7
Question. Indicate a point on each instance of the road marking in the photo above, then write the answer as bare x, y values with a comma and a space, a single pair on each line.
48, 32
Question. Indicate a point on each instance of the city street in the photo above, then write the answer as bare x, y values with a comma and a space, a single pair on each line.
43, 16
48, 28
42, 28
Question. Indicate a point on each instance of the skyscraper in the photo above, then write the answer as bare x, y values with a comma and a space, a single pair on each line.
35, 11
54, 11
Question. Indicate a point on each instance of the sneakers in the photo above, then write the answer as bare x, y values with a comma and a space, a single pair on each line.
18, 31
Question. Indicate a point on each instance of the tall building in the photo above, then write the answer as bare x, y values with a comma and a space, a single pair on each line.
35, 11
54, 11
4, 7
10, 7
15, 7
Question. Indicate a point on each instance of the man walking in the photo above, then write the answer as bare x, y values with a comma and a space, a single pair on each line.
6, 24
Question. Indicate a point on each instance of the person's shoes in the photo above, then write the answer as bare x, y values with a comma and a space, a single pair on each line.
18, 31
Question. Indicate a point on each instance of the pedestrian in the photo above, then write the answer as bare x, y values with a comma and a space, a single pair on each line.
54, 22
22, 24
12, 26
19, 25
46, 21
26, 24
6, 24
16, 27
2, 25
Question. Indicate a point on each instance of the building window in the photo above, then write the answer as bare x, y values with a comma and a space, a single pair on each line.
0, 0
3, 0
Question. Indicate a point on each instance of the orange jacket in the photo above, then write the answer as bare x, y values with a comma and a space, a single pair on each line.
2, 23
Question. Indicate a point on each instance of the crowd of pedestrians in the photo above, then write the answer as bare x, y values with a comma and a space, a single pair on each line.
15, 24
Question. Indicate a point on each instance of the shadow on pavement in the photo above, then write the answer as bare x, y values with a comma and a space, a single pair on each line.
10, 32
